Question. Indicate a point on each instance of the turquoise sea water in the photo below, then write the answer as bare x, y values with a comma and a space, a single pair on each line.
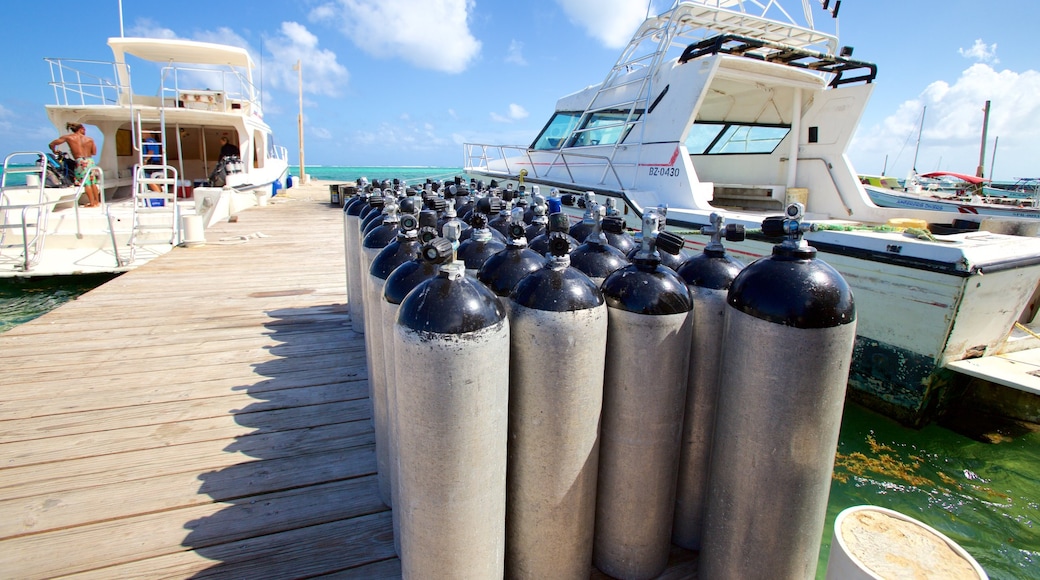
985, 496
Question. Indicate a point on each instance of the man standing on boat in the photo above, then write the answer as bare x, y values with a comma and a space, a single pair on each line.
83, 149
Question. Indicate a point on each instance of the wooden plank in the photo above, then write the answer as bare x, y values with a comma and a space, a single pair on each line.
304, 552
228, 531
31, 480
152, 388
69, 508
1018, 370
136, 414
169, 434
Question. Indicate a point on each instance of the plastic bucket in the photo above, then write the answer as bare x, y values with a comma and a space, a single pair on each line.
872, 543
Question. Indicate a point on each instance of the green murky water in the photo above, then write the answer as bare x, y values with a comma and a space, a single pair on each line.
22, 300
984, 496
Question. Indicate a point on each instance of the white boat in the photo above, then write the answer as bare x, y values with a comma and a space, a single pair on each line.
740, 108
202, 92
956, 193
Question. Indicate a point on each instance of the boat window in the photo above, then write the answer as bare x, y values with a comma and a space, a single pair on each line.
556, 130
723, 138
604, 128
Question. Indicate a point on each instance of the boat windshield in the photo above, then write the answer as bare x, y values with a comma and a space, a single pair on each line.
567, 128
723, 138
557, 130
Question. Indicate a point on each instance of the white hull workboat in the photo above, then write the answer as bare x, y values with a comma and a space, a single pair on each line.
159, 166
739, 108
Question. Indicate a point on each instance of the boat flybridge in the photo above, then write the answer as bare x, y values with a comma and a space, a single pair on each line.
739, 107
159, 157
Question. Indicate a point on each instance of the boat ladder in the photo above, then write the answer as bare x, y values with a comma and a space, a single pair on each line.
156, 214
23, 222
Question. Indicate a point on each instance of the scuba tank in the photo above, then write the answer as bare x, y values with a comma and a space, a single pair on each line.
558, 328
648, 335
787, 347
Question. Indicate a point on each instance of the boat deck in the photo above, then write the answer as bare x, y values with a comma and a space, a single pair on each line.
203, 415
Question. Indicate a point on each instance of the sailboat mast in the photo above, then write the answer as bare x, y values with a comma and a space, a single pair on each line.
982, 148
919, 131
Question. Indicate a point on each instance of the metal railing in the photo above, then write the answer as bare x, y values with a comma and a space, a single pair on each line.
73, 86
480, 157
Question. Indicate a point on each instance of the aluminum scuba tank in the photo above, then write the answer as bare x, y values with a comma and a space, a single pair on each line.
708, 276
558, 222
488, 206
537, 200
779, 413
451, 341
480, 246
376, 203
375, 215
403, 249
671, 260
649, 329
614, 229
558, 328
351, 253
501, 271
538, 222
581, 230
504, 217
353, 257
372, 245
597, 258
399, 283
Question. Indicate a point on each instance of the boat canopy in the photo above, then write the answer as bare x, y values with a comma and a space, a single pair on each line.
178, 50
962, 176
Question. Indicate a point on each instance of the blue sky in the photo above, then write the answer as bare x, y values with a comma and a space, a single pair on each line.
406, 82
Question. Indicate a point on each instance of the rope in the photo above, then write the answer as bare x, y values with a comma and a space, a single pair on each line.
1022, 327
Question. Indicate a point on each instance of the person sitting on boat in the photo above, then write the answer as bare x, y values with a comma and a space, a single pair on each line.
152, 156
227, 149
83, 149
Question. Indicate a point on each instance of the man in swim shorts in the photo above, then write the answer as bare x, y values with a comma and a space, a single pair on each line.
83, 149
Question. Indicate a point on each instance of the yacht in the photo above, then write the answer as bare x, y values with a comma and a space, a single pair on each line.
159, 158
743, 109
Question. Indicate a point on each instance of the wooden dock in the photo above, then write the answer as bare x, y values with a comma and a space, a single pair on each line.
204, 415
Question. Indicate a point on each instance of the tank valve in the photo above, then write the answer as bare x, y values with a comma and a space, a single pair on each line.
789, 225
718, 230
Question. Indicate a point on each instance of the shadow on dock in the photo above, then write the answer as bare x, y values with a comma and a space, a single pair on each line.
303, 501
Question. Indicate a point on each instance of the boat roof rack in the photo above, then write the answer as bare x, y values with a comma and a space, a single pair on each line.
737, 45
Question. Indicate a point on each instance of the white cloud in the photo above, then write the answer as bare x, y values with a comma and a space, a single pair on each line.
431, 35
320, 132
612, 22
515, 54
321, 73
980, 51
953, 125
517, 112
398, 138
148, 28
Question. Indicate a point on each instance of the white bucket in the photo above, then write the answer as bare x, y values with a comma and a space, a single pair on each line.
874, 543
32, 180
261, 198
194, 232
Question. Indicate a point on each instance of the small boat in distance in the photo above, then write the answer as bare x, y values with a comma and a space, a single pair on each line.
195, 145
741, 109
957, 193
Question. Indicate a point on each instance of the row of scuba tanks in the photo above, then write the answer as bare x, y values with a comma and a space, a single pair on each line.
550, 397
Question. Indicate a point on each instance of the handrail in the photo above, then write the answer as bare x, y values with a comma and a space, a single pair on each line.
91, 89
484, 159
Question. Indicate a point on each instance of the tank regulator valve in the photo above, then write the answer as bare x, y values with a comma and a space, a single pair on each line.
789, 225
